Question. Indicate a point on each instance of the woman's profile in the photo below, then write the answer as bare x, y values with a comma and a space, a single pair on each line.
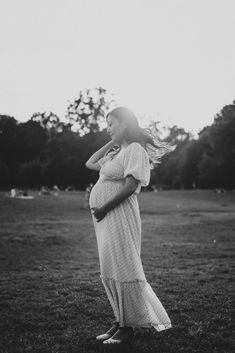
117, 223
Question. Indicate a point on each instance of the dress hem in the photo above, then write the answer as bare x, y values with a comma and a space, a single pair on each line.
110, 286
159, 328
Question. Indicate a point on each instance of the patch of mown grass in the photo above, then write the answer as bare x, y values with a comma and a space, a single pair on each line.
51, 296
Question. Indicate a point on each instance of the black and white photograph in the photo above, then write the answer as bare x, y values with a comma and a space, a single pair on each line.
117, 176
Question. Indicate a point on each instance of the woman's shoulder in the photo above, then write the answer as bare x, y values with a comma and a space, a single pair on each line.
136, 146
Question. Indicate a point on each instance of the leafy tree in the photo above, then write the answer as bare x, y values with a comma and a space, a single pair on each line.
49, 121
168, 173
190, 159
44, 150
5, 175
87, 112
217, 167
8, 129
30, 174
29, 142
177, 135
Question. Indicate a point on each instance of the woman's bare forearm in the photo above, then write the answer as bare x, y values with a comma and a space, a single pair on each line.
100, 153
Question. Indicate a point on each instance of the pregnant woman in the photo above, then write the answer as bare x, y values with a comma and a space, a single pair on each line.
117, 223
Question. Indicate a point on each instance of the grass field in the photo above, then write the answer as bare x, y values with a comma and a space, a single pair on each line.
51, 296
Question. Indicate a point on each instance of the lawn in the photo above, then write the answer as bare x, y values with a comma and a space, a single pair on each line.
51, 296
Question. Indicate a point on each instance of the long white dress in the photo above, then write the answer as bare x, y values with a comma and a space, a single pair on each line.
118, 235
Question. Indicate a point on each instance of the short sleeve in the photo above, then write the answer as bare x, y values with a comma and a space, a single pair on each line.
136, 163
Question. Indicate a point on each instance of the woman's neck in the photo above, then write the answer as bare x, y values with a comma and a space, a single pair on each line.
124, 144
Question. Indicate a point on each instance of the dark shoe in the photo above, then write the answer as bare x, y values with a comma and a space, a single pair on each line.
122, 335
109, 333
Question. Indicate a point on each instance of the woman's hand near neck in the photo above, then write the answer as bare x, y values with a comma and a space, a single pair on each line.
100, 153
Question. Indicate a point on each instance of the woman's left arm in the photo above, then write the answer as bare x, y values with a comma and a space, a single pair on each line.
124, 192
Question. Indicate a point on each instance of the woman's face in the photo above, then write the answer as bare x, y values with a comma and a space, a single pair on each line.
115, 128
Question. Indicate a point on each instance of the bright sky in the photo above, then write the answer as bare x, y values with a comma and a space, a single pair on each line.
171, 59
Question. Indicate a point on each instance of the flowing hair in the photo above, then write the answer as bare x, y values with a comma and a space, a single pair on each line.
147, 137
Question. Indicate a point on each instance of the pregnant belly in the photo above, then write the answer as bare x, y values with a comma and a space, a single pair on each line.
103, 191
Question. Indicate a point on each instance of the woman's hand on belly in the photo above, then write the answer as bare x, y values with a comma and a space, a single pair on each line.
99, 212
123, 193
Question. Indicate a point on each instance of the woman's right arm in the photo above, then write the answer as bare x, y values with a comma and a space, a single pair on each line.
92, 163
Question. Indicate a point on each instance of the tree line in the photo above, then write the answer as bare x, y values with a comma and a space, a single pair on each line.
46, 151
